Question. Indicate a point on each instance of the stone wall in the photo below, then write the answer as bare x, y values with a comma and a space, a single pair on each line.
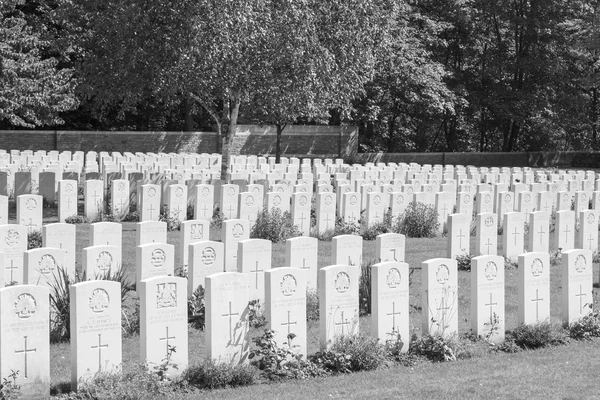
296, 140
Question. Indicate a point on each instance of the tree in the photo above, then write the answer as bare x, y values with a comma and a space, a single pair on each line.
232, 55
33, 91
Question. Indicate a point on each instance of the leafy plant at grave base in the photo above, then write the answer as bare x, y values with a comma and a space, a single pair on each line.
542, 334
256, 318
138, 383
526, 228
418, 221
494, 327
104, 214
437, 348
346, 228
189, 212
217, 218
9, 390
556, 257
133, 216
511, 263
553, 221
162, 370
130, 318
585, 327
364, 288
173, 224
210, 375
76, 219
312, 305
197, 308
34, 240
280, 362
60, 305
500, 230
378, 228
274, 226
351, 354
463, 262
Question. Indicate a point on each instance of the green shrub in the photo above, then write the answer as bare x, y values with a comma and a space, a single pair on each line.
76, 219
173, 224
346, 228
281, 362
34, 240
542, 334
312, 305
436, 348
217, 219
463, 262
418, 221
376, 229
133, 216
130, 319
351, 354
586, 327
196, 308
274, 226
210, 375
60, 305
139, 383
256, 318
189, 212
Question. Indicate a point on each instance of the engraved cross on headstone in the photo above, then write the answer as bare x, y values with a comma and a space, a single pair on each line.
567, 231
491, 305
541, 232
488, 245
24, 352
12, 268
537, 303
99, 347
256, 271
461, 235
344, 322
393, 314
516, 234
581, 295
229, 315
288, 323
166, 339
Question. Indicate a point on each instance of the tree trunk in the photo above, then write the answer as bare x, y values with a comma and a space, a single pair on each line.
594, 118
280, 128
230, 113
189, 118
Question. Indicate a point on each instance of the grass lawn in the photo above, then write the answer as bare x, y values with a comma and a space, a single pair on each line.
558, 372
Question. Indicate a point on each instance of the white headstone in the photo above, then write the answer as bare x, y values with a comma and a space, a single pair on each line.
302, 253
150, 232
232, 232
67, 199
347, 250
459, 231
487, 234
564, 231
42, 266
390, 247
487, 297
534, 287
254, 258
205, 258
62, 236
439, 297
101, 261
106, 233
577, 284
29, 212
13, 244
191, 232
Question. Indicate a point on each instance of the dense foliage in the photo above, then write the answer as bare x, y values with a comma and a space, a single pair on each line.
431, 75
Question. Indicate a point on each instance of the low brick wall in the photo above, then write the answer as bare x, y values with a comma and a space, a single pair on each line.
296, 140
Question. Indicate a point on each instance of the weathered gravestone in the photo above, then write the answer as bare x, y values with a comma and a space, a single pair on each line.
285, 307
67, 199
101, 261
150, 232
390, 247
95, 329
513, 238
302, 253
227, 331
534, 287
254, 258
487, 297
390, 303
539, 231
439, 297
486, 242
154, 259
459, 239
42, 266
564, 232
13, 243
338, 303
106, 233
205, 258
232, 232
577, 285
347, 250
163, 323
29, 212
25, 339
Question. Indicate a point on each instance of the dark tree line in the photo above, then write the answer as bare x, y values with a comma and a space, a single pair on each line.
420, 75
